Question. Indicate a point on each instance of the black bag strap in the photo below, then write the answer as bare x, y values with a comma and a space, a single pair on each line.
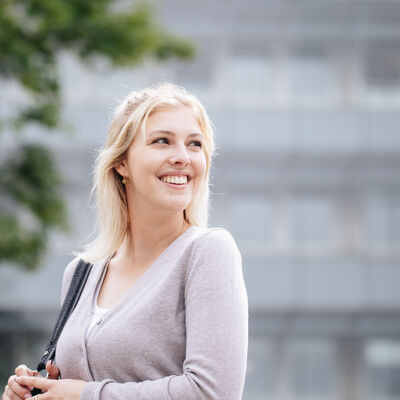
78, 282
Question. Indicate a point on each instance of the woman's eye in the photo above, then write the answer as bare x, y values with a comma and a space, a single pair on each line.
196, 143
164, 140
161, 140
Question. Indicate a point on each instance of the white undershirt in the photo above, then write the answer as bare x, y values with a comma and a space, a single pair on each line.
97, 312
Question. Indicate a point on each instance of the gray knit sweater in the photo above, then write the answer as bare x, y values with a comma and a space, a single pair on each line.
179, 333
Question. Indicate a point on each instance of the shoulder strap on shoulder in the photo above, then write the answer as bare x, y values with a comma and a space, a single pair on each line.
76, 286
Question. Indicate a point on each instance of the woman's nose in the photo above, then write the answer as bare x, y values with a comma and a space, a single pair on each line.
180, 155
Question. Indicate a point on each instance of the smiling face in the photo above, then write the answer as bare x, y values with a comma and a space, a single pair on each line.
165, 169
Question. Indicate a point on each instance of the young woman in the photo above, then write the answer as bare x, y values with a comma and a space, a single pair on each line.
164, 313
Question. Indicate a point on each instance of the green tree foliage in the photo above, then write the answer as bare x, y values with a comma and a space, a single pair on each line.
32, 33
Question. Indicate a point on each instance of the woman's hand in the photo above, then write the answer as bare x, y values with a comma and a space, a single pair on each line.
15, 391
62, 389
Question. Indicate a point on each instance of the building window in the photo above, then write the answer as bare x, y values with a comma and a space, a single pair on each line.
249, 73
382, 361
249, 80
381, 224
261, 373
198, 72
254, 222
251, 219
382, 73
381, 131
382, 66
312, 368
310, 75
312, 225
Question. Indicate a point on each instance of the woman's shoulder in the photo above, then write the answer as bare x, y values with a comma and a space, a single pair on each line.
67, 276
215, 257
214, 233
215, 239
70, 269
71, 266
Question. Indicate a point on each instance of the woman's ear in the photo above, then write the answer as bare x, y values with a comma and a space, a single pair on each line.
121, 169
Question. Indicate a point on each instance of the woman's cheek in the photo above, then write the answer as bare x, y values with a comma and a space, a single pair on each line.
202, 163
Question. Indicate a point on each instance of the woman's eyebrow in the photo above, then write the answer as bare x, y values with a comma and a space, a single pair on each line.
164, 132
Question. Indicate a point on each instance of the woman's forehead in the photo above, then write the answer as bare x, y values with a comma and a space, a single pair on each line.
171, 114
174, 120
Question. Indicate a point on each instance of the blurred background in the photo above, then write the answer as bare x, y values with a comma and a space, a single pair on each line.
305, 98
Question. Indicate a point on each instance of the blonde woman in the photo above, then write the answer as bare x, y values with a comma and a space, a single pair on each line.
164, 313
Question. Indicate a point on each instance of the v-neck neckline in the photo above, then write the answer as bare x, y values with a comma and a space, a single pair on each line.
136, 286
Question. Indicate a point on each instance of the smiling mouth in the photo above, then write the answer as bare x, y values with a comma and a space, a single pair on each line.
176, 180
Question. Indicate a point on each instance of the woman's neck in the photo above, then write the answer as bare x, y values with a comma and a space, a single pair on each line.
146, 239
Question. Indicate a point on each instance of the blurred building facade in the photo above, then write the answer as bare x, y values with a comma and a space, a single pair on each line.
305, 98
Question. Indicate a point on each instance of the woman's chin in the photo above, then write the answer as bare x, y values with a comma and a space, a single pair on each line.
178, 207
176, 204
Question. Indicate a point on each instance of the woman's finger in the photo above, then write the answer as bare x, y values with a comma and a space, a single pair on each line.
23, 370
43, 396
15, 392
16, 389
5, 395
53, 370
40, 383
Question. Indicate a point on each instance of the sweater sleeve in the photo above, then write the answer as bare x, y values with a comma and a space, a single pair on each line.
216, 332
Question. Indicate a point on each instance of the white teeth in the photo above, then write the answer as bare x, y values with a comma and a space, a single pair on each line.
174, 179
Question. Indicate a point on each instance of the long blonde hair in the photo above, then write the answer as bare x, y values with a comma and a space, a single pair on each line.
129, 118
